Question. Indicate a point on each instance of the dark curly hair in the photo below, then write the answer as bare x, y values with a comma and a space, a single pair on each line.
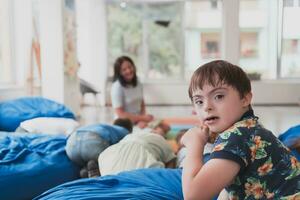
125, 123
220, 72
117, 71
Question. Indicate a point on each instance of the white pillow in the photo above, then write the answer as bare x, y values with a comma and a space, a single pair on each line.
50, 125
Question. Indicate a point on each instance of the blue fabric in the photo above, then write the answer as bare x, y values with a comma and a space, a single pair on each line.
111, 133
31, 164
87, 142
289, 137
82, 147
143, 184
13, 112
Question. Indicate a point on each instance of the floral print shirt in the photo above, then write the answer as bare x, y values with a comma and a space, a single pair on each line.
268, 169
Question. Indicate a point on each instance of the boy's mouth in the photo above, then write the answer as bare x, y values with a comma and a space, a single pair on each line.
211, 119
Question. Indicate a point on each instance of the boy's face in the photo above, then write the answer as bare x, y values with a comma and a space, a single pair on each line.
220, 107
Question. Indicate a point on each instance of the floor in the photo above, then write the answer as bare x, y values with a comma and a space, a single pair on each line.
275, 118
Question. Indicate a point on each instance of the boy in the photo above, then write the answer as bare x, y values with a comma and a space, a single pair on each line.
141, 149
247, 160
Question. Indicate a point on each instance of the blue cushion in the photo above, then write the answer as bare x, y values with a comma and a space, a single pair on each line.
13, 112
289, 137
153, 183
33, 163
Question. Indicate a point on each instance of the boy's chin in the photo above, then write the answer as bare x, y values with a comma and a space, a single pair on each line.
216, 130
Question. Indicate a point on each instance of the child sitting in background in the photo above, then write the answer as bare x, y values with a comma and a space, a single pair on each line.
141, 149
247, 159
86, 143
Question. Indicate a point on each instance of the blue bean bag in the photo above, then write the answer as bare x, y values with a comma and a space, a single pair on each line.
13, 112
30, 164
289, 138
142, 184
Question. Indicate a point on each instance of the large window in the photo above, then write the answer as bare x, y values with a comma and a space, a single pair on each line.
290, 48
257, 35
263, 26
150, 33
170, 40
166, 40
202, 36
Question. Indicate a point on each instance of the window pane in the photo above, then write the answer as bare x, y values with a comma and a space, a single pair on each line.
148, 32
202, 36
256, 38
164, 40
290, 57
124, 32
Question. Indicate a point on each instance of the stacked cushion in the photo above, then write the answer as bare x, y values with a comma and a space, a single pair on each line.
13, 112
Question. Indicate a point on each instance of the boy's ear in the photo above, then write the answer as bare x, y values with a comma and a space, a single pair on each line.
247, 99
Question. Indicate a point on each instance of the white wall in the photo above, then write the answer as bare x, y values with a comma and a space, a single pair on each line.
56, 84
22, 21
92, 48
51, 39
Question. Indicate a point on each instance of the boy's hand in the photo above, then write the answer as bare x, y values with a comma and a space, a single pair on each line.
196, 136
148, 118
142, 124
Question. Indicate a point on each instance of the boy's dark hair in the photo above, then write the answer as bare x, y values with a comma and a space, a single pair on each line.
220, 72
117, 71
125, 123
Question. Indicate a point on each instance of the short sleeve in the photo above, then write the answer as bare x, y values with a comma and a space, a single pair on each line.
116, 95
233, 145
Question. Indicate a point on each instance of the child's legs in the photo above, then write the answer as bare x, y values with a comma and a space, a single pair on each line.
72, 148
92, 146
84, 146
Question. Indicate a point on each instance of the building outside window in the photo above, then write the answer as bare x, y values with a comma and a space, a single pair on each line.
249, 45
256, 34
210, 45
170, 40
202, 30
290, 51
150, 33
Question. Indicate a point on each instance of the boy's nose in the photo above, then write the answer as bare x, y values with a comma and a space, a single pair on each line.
207, 106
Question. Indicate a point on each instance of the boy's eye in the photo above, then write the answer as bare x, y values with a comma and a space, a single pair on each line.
198, 102
219, 97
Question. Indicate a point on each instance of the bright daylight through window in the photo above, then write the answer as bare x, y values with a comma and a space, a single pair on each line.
170, 40
150, 33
